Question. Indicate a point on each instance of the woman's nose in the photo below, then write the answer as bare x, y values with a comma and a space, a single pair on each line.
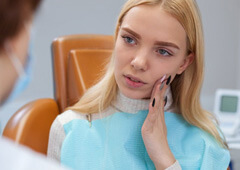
139, 62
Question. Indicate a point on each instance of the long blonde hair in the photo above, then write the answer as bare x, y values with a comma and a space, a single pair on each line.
185, 87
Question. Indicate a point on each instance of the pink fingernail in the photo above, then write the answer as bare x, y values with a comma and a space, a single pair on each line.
163, 78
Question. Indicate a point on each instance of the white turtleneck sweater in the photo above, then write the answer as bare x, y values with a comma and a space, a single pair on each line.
113, 139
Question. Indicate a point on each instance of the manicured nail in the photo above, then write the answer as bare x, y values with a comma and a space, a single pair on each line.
168, 80
162, 79
161, 86
153, 102
165, 100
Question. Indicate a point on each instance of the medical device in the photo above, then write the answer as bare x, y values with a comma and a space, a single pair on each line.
227, 110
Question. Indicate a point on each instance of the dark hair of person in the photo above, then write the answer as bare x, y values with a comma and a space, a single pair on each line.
13, 15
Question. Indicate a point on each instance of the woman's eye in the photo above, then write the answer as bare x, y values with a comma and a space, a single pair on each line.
164, 52
128, 40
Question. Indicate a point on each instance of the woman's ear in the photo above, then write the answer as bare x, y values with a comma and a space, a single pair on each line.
186, 62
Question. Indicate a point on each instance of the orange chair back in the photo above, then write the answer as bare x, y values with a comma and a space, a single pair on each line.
61, 48
86, 67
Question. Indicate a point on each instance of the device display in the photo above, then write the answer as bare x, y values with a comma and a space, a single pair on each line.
229, 104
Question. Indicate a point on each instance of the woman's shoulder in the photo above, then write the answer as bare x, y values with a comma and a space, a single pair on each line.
194, 143
179, 127
70, 115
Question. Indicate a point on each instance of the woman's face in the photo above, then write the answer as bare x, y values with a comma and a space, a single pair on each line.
150, 44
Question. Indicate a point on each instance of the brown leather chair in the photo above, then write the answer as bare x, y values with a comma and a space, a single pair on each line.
60, 50
80, 66
77, 62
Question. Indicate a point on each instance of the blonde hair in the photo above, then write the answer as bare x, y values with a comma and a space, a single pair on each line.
185, 87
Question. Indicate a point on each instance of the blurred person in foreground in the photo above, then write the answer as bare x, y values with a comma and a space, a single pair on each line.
16, 18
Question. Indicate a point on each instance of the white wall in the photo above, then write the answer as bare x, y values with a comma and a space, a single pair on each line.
238, 84
221, 21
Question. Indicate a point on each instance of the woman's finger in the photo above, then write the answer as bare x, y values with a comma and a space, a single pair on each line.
158, 96
155, 88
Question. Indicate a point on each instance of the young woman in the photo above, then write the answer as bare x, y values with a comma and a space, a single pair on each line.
145, 112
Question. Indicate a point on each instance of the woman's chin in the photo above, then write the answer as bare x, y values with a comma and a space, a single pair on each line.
135, 94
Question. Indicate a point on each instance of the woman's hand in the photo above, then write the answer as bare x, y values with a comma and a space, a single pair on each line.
154, 131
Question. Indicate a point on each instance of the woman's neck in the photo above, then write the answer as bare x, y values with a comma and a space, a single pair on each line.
128, 105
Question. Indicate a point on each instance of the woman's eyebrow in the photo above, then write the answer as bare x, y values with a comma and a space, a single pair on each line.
161, 43
131, 32
168, 44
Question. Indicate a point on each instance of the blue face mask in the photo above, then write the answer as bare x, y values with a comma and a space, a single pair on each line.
24, 72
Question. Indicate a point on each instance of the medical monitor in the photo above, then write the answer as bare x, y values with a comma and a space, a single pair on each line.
227, 109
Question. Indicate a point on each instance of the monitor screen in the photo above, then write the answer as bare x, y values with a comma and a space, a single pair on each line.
229, 104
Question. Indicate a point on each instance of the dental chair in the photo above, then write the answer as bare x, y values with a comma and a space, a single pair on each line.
78, 62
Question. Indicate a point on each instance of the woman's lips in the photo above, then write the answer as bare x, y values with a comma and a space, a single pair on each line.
133, 82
